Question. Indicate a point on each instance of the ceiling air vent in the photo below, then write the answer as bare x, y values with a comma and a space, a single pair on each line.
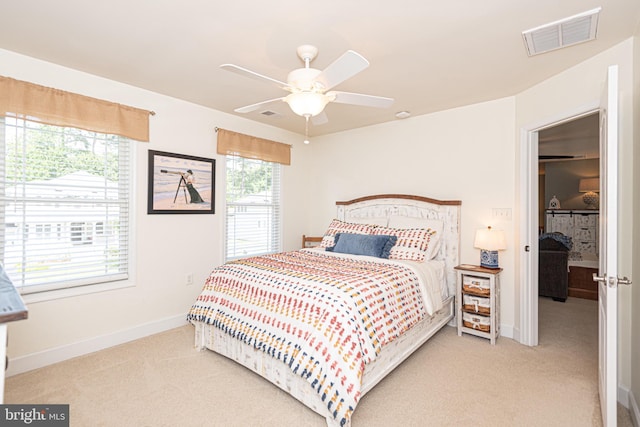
563, 33
269, 113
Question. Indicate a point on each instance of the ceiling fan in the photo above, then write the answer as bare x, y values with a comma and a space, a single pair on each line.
310, 89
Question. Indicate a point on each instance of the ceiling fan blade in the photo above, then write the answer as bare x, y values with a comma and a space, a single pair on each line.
252, 74
320, 119
254, 107
361, 99
343, 68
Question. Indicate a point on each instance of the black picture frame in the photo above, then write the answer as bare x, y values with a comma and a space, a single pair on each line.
180, 184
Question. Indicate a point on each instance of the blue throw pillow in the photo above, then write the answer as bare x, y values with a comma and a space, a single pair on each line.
363, 244
386, 250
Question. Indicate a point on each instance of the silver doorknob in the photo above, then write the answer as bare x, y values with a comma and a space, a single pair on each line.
624, 281
612, 281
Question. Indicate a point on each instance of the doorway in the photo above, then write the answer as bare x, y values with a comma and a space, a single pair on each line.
556, 155
568, 187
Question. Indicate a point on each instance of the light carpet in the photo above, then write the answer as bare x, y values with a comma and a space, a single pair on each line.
162, 380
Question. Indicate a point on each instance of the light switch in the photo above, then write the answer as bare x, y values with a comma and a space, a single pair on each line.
502, 214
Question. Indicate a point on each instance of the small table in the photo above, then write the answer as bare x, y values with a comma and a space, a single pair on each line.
478, 301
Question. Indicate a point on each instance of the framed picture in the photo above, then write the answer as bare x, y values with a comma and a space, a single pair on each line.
180, 184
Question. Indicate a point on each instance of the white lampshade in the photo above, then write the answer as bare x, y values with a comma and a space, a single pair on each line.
589, 184
307, 104
490, 239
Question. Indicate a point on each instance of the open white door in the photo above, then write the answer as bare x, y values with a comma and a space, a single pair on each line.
608, 270
529, 231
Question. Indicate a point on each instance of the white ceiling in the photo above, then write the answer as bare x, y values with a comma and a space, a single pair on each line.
428, 55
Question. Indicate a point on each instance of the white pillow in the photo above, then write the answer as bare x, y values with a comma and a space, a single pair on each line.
397, 221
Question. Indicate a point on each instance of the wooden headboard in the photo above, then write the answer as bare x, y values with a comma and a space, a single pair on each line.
382, 206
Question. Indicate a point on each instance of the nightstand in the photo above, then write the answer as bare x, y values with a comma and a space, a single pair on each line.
478, 301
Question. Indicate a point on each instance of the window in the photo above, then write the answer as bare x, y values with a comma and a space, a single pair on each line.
64, 205
253, 207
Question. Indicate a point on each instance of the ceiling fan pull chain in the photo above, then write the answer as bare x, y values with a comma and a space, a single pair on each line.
306, 129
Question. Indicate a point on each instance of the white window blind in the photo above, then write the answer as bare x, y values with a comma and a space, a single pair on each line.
64, 205
253, 207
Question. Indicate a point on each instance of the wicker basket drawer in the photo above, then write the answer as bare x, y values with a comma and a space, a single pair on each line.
585, 220
477, 322
476, 285
476, 304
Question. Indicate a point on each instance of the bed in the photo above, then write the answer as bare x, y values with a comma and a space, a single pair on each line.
385, 309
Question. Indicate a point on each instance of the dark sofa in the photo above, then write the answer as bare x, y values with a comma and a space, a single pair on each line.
553, 266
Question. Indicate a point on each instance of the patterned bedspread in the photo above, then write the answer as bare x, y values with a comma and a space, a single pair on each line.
322, 314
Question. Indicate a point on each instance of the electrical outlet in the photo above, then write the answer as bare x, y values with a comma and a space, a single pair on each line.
502, 214
189, 279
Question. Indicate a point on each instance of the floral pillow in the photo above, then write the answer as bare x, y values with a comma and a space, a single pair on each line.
338, 226
412, 244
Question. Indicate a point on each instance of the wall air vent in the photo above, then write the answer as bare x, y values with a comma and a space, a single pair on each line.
563, 33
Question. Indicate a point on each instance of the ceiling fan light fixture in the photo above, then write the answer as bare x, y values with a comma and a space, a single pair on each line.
310, 89
307, 104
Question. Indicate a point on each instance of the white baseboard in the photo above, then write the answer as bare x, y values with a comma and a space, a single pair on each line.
634, 410
516, 334
623, 395
40, 359
507, 331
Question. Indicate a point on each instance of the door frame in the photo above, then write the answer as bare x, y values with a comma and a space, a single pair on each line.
528, 330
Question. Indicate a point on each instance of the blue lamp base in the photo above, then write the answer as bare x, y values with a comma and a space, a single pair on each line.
488, 259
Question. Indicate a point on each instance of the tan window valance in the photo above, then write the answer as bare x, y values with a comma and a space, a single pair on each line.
238, 144
57, 107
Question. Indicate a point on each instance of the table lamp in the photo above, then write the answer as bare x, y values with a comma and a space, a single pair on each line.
490, 241
590, 186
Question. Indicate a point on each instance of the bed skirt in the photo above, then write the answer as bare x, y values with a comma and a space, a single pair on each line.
212, 338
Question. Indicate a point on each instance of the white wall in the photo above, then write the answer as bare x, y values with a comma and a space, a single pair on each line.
562, 179
577, 89
167, 247
461, 154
